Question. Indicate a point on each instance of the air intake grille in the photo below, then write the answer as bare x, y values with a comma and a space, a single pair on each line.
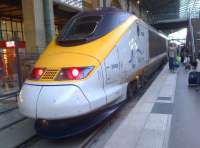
50, 74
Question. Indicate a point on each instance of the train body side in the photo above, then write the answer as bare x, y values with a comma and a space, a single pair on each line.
135, 55
129, 56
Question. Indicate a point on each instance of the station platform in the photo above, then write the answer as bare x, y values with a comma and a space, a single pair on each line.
167, 116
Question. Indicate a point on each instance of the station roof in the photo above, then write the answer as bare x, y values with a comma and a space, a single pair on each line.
154, 10
170, 9
13, 9
169, 15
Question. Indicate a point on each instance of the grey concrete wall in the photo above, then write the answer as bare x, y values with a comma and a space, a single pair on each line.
38, 24
49, 20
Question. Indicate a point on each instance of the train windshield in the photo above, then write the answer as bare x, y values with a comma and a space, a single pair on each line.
79, 30
88, 26
83, 27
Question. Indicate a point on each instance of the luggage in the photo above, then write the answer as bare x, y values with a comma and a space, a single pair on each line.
194, 78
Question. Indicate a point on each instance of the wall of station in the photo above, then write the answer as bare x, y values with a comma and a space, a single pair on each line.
11, 29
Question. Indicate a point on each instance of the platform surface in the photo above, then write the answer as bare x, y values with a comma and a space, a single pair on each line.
185, 127
167, 116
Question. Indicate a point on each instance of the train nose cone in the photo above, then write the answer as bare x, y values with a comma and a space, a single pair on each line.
52, 102
27, 100
60, 102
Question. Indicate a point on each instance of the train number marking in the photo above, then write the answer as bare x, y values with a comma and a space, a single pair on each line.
115, 66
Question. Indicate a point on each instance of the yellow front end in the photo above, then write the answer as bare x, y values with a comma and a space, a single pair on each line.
93, 53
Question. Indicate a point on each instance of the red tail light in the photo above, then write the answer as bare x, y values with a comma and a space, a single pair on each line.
37, 73
74, 73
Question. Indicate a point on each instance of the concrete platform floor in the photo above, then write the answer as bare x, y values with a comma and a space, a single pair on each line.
167, 116
185, 127
148, 124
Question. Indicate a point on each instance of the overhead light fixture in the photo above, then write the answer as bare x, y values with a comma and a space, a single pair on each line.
138, 2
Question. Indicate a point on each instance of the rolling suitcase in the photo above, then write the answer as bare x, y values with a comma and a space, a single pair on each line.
194, 78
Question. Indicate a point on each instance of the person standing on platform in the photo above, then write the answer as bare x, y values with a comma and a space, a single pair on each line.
178, 61
182, 54
172, 57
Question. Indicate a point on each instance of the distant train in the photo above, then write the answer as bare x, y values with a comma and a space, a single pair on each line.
88, 69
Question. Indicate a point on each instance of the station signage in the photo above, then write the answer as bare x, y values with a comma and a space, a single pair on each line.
10, 44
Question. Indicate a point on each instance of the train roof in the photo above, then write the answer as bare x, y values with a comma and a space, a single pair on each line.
97, 23
106, 11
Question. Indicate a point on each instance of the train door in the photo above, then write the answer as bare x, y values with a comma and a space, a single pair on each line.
112, 76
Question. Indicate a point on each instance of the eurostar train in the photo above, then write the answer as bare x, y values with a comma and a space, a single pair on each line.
87, 70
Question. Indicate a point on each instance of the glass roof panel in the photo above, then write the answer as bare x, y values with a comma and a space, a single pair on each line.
159, 10
189, 5
73, 3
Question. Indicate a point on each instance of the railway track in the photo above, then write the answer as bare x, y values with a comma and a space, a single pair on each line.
17, 131
9, 114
